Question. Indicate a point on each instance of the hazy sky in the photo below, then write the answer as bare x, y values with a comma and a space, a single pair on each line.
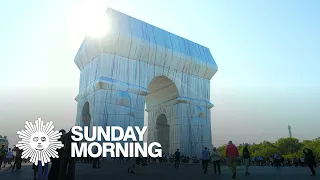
268, 54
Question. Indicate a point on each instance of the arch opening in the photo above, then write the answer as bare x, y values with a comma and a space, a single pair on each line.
85, 116
161, 90
162, 133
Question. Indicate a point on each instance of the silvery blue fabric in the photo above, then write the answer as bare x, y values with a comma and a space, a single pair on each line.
137, 64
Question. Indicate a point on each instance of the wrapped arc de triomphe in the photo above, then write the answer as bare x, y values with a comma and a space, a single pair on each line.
137, 64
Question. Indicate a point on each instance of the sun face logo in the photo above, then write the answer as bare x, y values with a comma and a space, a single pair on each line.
39, 142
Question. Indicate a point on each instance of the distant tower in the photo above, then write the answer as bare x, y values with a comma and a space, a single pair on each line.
289, 129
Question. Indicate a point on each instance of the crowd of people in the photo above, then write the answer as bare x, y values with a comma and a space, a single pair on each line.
234, 159
278, 160
63, 168
273, 161
7, 157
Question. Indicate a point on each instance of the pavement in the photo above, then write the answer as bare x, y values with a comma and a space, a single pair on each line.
116, 170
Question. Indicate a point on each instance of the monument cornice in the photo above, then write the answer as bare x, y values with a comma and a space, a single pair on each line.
112, 84
108, 83
138, 40
185, 100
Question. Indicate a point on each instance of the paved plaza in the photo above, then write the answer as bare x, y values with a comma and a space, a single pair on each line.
115, 170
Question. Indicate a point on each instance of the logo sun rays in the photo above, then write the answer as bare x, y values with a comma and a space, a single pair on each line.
39, 142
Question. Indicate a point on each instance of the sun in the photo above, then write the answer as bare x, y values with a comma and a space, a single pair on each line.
39, 142
89, 18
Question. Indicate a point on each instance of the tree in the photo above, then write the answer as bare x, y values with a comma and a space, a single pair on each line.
222, 150
313, 145
240, 148
288, 145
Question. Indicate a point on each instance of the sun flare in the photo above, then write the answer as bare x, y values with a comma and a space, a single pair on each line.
89, 18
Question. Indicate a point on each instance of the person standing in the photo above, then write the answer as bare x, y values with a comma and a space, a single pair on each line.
177, 159
18, 160
282, 160
302, 163
310, 160
246, 158
277, 160
42, 172
55, 162
132, 166
67, 162
215, 156
9, 157
232, 153
133, 161
271, 161
205, 159
253, 160
259, 160
14, 151
2, 155
121, 158
96, 160
296, 161
165, 157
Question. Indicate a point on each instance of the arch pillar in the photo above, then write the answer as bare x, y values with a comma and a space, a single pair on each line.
85, 115
162, 132
110, 102
189, 125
